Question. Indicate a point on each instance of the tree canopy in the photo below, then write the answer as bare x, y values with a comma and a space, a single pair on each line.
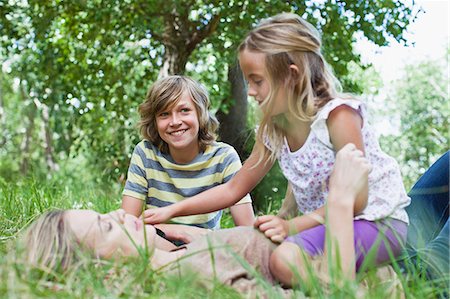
82, 67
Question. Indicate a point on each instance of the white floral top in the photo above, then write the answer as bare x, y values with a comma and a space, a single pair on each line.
308, 169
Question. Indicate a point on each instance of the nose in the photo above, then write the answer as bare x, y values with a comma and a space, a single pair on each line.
118, 215
251, 91
175, 120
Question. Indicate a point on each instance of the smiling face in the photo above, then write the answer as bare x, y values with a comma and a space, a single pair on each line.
178, 126
253, 67
115, 233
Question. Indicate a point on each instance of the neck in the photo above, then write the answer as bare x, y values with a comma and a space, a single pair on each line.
184, 156
296, 131
161, 258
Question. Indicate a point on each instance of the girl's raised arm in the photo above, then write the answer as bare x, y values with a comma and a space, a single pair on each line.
344, 124
217, 198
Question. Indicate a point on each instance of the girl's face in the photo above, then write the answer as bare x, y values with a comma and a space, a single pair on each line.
254, 70
115, 233
178, 126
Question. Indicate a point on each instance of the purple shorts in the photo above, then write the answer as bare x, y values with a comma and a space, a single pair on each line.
386, 236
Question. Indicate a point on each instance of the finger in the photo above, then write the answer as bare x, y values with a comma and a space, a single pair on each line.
270, 233
262, 219
348, 147
147, 213
277, 239
267, 225
358, 153
149, 220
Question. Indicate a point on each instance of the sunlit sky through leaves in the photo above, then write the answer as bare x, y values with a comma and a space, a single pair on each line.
428, 37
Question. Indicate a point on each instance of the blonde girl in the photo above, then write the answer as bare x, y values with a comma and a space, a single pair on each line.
305, 122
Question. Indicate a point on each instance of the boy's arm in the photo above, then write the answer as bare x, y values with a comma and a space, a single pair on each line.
243, 214
217, 198
132, 205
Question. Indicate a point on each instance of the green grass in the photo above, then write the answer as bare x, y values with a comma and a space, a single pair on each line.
22, 201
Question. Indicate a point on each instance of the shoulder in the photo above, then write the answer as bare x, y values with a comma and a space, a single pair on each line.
342, 114
146, 149
220, 148
145, 144
340, 105
340, 121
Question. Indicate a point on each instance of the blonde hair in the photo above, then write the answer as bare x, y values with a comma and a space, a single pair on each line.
50, 244
164, 94
286, 39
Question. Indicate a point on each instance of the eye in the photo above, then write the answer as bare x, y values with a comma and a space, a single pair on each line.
258, 82
185, 110
163, 114
107, 226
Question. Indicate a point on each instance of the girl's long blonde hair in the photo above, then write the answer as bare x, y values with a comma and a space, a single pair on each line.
50, 244
286, 39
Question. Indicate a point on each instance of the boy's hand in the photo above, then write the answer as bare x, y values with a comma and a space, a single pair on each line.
273, 227
158, 215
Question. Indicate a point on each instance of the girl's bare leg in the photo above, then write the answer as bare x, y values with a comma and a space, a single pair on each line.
349, 177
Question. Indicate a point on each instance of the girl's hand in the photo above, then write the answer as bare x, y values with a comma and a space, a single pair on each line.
273, 227
156, 216
350, 173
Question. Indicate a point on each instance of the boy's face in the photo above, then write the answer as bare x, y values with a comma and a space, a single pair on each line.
178, 126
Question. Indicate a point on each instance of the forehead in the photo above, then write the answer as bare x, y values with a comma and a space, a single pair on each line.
252, 63
81, 221
185, 99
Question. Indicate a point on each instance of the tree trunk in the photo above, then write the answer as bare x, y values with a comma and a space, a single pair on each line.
47, 137
180, 40
233, 125
174, 62
30, 111
2, 114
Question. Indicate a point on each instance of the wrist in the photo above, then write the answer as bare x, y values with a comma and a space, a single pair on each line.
342, 203
176, 210
341, 198
291, 227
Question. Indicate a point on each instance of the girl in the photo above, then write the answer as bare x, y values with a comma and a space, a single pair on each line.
56, 240
305, 122
179, 156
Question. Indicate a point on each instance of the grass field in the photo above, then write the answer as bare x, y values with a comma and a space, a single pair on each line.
23, 200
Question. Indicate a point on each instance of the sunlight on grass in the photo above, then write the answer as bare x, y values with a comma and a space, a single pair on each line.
22, 201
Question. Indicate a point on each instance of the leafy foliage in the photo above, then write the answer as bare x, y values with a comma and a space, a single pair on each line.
419, 107
89, 63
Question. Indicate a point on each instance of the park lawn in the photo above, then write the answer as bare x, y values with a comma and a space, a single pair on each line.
23, 200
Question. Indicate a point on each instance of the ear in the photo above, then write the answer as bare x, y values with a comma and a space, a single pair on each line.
293, 75
293, 69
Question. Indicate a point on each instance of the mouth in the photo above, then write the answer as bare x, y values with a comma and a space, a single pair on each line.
259, 101
178, 132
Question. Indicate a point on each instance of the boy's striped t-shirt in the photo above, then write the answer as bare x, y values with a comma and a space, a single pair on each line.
160, 181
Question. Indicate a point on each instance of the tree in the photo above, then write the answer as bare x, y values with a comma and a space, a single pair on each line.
420, 99
89, 63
